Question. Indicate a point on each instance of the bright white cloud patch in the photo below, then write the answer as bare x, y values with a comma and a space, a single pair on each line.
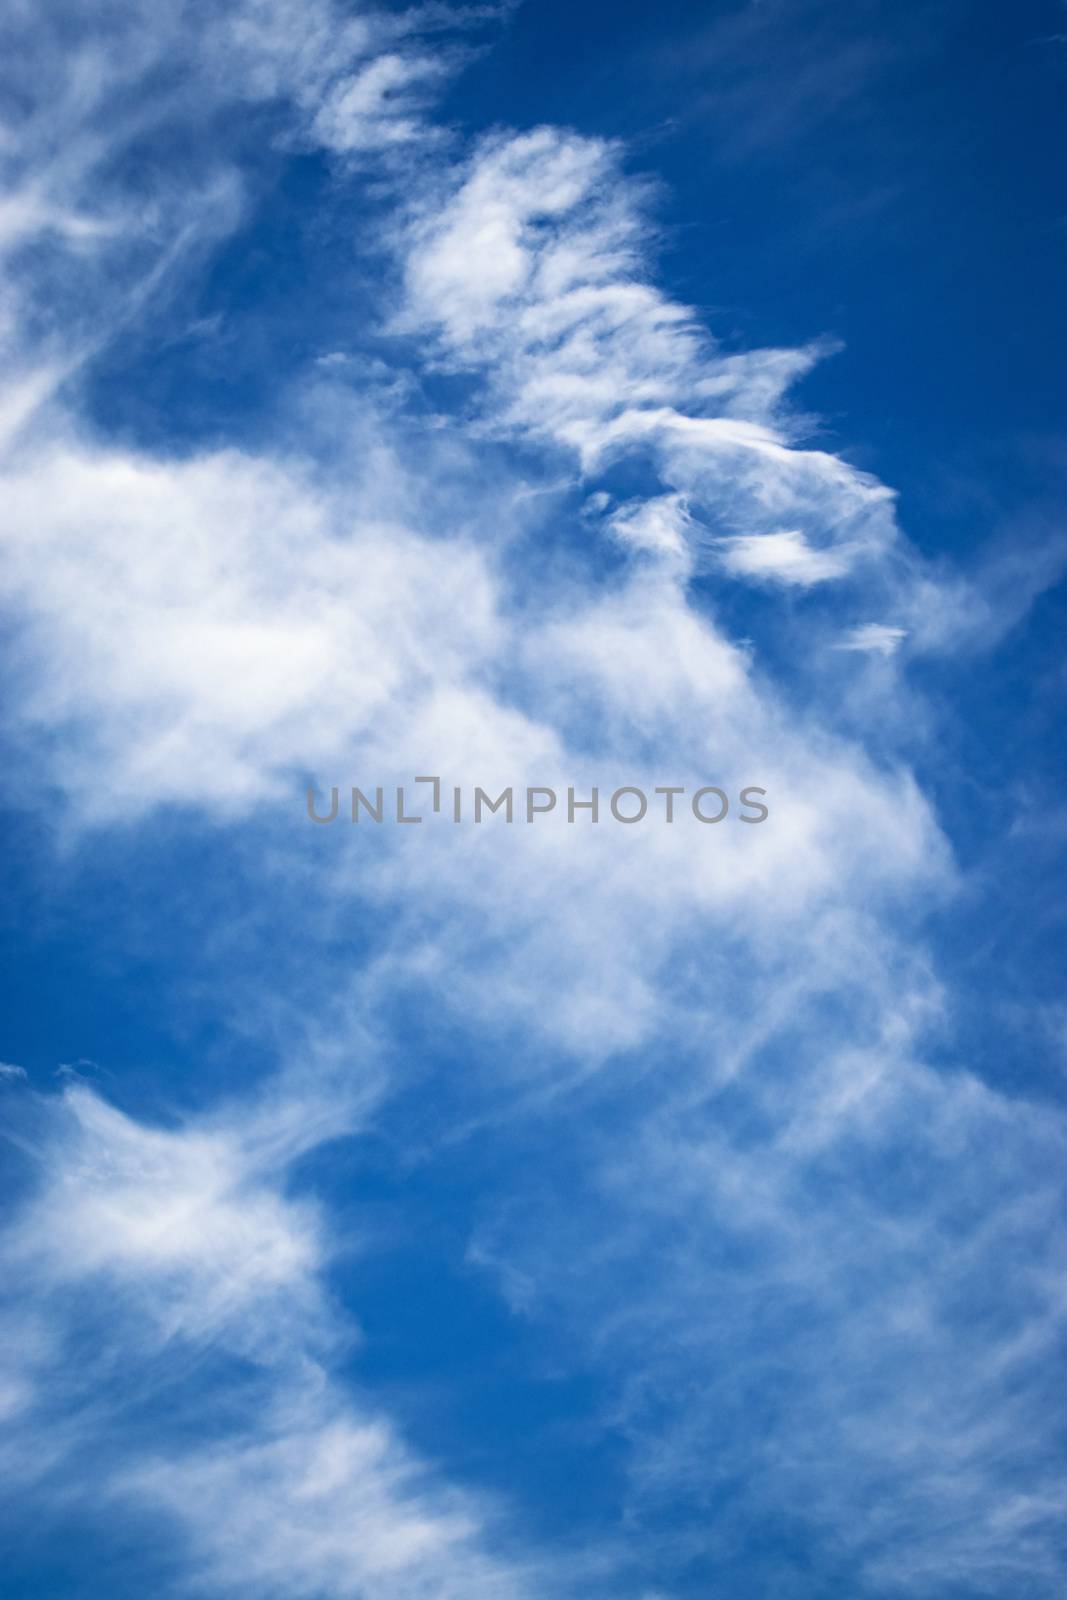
785, 557
203, 630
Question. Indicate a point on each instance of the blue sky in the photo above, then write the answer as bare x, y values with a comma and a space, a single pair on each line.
533, 395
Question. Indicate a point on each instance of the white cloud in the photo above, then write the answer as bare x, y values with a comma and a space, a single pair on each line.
825, 1307
784, 557
321, 1501
378, 106
661, 525
187, 1236
531, 271
212, 632
94, 223
878, 638
186, 1220
202, 630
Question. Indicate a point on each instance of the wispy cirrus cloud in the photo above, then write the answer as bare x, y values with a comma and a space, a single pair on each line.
183, 1244
98, 219
812, 1325
581, 351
